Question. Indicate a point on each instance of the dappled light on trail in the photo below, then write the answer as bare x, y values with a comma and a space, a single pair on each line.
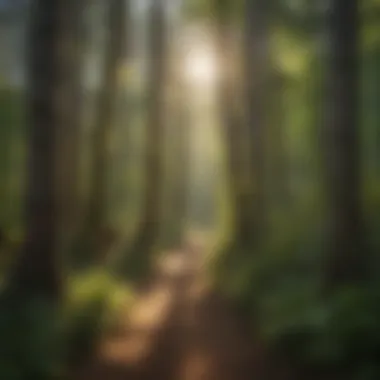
148, 314
178, 329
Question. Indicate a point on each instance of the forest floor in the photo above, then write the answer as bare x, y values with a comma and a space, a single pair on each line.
180, 329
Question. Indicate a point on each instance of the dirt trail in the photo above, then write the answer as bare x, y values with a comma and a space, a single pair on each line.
180, 330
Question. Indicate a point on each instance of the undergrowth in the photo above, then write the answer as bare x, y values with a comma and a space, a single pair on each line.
279, 289
42, 340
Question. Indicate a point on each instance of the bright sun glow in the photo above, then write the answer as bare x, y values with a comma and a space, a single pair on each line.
200, 66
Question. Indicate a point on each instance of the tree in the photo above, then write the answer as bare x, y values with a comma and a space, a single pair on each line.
69, 156
38, 269
114, 58
277, 155
235, 131
148, 230
257, 73
348, 259
182, 140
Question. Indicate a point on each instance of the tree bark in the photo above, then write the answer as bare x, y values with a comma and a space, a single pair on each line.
257, 72
69, 157
236, 135
38, 269
149, 229
348, 258
183, 169
114, 58
279, 168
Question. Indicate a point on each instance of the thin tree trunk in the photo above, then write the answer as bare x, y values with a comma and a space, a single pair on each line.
374, 110
38, 270
279, 169
69, 159
149, 228
257, 71
114, 58
348, 259
7, 99
182, 196
235, 133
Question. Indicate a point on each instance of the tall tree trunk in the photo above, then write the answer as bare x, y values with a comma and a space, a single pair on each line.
235, 132
183, 169
38, 270
373, 88
149, 228
7, 99
69, 157
279, 169
114, 58
257, 70
348, 260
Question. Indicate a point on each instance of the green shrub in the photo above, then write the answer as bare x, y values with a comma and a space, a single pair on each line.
94, 302
41, 341
341, 332
279, 289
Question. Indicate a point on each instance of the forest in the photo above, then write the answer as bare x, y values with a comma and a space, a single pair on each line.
190, 189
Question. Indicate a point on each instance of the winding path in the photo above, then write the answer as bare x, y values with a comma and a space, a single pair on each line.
179, 329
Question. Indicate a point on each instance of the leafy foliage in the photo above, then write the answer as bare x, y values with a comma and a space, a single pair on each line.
44, 340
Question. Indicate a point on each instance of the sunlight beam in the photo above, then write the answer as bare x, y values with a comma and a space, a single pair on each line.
200, 67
